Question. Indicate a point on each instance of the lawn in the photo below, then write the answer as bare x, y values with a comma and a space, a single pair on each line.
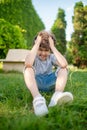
16, 111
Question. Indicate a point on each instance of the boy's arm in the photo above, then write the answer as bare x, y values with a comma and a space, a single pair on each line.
29, 60
61, 61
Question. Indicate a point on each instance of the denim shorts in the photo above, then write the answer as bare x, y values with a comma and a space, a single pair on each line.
46, 82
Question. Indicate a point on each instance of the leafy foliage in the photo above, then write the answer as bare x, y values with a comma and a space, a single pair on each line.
58, 29
79, 36
23, 14
10, 37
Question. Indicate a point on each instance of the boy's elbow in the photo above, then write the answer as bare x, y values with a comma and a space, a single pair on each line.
28, 59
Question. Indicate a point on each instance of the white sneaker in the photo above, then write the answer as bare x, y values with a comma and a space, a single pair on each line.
39, 104
60, 98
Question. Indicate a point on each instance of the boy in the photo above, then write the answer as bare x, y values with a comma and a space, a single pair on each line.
39, 76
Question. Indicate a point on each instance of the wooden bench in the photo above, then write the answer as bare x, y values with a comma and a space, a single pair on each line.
14, 60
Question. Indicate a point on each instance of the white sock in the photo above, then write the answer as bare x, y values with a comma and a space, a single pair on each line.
58, 92
39, 95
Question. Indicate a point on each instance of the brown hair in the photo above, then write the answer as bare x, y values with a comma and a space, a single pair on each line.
44, 41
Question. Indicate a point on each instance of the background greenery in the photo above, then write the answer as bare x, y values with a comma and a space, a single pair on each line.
29, 23
10, 37
78, 44
22, 14
58, 30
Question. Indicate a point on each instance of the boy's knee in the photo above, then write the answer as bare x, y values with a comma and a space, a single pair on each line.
61, 70
64, 70
28, 68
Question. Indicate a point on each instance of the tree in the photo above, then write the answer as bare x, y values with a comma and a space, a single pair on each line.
58, 29
79, 36
23, 14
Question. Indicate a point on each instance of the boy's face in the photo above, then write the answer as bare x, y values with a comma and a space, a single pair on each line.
43, 53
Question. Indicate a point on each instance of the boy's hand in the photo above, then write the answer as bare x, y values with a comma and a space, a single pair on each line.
51, 42
38, 40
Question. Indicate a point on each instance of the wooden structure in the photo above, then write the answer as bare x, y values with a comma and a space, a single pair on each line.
15, 60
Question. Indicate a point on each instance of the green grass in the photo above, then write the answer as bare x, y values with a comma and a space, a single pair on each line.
16, 111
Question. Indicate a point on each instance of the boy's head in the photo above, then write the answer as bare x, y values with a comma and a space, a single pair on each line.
45, 39
44, 48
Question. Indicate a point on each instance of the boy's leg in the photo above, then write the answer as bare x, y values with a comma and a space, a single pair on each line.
61, 80
59, 96
39, 102
31, 82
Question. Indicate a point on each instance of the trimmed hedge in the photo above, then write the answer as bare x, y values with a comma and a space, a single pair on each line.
23, 14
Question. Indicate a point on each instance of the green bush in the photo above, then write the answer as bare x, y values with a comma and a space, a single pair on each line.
10, 37
22, 13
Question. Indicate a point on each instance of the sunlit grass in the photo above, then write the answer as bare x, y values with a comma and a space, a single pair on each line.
16, 111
